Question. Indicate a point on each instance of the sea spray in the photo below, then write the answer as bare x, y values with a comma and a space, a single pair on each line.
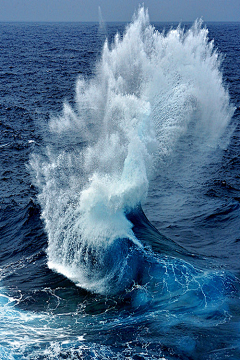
149, 90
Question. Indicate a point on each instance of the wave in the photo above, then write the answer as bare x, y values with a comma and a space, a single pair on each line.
153, 95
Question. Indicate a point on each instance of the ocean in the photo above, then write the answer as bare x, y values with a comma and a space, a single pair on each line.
120, 190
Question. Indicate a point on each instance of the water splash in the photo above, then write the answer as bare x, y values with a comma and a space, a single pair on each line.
102, 24
149, 90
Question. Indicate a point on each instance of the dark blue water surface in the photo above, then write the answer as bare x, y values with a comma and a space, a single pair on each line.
178, 297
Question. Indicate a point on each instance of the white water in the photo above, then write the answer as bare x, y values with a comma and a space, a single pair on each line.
149, 90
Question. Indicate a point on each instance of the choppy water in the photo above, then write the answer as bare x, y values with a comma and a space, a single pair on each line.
119, 191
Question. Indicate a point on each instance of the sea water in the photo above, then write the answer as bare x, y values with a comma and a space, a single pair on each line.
151, 128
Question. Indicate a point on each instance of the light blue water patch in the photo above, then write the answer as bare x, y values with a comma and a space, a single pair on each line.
23, 331
176, 289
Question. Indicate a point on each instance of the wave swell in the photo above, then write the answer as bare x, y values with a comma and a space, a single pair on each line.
150, 90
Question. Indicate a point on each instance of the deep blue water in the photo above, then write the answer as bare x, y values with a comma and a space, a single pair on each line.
119, 197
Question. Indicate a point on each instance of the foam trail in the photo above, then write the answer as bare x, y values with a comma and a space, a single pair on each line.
149, 90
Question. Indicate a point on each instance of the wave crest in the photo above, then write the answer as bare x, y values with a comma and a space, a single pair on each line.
149, 90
